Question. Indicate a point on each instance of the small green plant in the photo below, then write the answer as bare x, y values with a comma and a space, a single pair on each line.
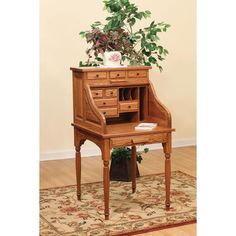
139, 46
125, 152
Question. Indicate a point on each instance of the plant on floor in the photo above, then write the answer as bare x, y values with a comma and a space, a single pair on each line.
137, 46
125, 152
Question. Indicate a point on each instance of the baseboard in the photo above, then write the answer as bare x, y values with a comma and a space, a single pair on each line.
88, 152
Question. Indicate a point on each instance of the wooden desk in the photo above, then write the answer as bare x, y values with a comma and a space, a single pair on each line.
108, 103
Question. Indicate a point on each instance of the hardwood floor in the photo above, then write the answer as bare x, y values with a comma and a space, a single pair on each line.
62, 172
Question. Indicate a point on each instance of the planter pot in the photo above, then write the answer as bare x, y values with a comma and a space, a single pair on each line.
122, 170
112, 58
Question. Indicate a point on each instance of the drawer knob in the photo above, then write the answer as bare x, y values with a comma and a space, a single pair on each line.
111, 93
104, 103
97, 75
96, 93
137, 73
104, 113
118, 74
129, 106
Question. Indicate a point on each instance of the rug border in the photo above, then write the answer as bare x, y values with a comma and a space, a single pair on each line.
70, 185
157, 228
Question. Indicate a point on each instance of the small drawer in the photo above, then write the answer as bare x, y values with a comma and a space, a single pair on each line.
128, 106
139, 139
111, 92
97, 93
106, 102
137, 74
117, 74
109, 111
96, 75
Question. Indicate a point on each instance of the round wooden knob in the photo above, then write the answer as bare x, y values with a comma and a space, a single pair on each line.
137, 73
104, 103
111, 93
97, 76
129, 106
118, 74
104, 113
96, 93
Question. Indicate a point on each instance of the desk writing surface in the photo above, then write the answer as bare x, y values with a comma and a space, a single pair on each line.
126, 129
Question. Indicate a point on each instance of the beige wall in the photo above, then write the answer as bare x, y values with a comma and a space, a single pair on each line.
61, 47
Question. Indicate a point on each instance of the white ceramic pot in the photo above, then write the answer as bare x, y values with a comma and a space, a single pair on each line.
112, 58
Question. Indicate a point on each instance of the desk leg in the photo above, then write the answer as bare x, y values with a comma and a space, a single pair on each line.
78, 172
106, 175
134, 164
167, 151
106, 180
167, 179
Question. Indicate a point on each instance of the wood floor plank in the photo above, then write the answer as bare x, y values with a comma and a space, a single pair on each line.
62, 172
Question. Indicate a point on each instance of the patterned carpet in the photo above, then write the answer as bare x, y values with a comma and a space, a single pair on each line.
61, 213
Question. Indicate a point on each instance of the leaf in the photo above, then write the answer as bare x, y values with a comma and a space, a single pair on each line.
147, 64
125, 2
146, 150
139, 16
99, 59
132, 21
82, 34
160, 48
152, 24
148, 12
152, 60
165, 52
160, 68
147, 53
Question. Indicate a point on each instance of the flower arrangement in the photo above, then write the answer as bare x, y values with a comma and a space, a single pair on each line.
139, 46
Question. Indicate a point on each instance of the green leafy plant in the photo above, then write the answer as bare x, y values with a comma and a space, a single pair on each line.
125, 152
139, 46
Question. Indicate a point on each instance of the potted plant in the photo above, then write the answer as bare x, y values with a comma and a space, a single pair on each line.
139, 46
121, 165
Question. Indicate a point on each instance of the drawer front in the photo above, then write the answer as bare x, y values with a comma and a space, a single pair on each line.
109, 112
139, 139
128, 106
96, 75
117, 74
137, 74
106, 102
111, 92
97, 93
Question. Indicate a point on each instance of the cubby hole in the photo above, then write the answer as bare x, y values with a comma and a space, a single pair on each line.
128, 94
126, 117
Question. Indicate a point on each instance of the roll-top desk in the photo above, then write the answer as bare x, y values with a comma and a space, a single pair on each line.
108, 103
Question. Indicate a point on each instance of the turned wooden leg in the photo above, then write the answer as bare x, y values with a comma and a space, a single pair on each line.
133, 157
167, 151
167, 179
78, 172
106, 185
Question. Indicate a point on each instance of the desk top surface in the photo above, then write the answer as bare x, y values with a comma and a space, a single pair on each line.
127, 129
103, 68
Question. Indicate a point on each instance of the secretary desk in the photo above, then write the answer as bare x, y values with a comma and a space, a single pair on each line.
107, 104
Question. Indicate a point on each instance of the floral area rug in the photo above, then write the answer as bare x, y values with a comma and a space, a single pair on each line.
130, 214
